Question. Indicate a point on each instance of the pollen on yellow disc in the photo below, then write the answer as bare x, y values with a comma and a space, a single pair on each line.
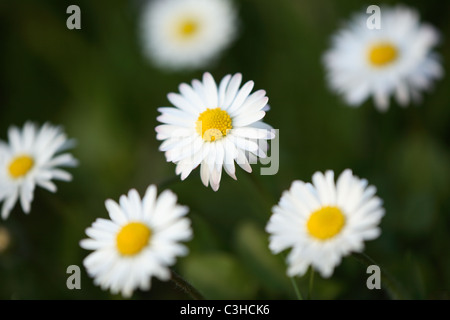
213, 124
325, 223
382, 54
20, 166
132, 238
188, 28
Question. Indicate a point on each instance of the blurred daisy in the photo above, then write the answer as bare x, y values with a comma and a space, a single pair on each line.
214, 127
187, 34
31, 159
140, 241
324, 221
396, 59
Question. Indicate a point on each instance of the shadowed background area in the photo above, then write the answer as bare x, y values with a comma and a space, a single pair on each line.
98, 85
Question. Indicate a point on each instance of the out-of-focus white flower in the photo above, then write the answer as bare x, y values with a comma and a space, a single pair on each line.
395, 60
141, 240
324, 221
31, 158
187, 34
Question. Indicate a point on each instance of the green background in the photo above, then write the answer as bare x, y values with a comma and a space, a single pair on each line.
98, 85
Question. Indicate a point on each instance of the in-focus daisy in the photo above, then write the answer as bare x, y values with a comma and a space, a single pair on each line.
187, 34
31, 158
214, 126
395, 60
324, 221
141, 240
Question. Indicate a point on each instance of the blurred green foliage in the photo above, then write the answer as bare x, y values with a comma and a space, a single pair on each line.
99, 86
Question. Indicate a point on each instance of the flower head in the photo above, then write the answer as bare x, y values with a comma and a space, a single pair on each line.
139, 241
396, 59
31, 158
187, 34
214, 126
324, 221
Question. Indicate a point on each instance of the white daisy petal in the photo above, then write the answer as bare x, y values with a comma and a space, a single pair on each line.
175, 112
253, 133
222, 89
15, 139
255, 102
171, 119
182, 103
169, 131
245, 144
232, 90
26, 195
241, 97
90, 244
175, 143
211, 90
248, 119
9, 203
46, 184
61, 175
63, 160
115, 212
192, 96
242, 161
149, 202
201, 92
28, 135
211, 160
135, 202
303, 192
204, 173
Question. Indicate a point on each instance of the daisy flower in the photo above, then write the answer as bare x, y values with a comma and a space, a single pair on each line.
214, 127
187, 34
395, 60
140, 241
31, 158
324, 221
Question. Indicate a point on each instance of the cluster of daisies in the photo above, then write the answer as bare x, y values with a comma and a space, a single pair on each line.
216, 125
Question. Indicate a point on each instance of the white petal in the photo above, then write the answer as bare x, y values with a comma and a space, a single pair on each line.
245, 120
182, 103
210, 90
232, 90
241, 96
204, 173
115, 212
222, 87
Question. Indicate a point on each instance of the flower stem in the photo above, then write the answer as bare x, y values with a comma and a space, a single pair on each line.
186, 286
292, 278
297, 290
392, 286
311, 282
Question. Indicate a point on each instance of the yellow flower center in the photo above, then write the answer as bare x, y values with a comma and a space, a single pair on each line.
383, 54
213, 124
132, 238
325, 223
20, 166
188, 28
